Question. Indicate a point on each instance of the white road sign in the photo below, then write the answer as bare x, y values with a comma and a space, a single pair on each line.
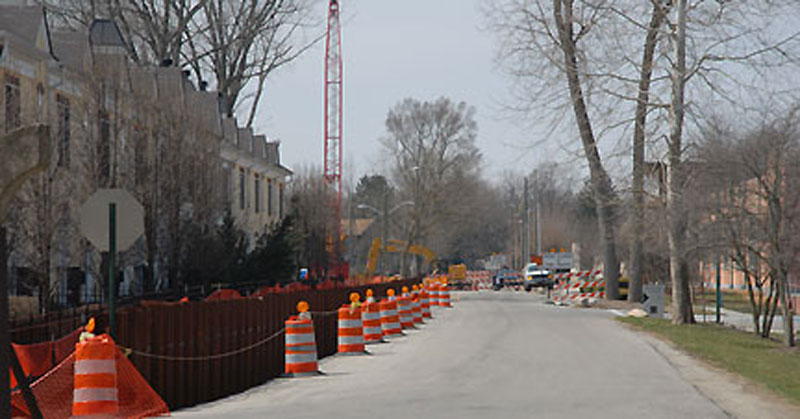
557, 261
653, 300
94, 218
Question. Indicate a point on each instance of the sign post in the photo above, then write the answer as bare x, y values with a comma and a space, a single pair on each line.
125, 223
112, 269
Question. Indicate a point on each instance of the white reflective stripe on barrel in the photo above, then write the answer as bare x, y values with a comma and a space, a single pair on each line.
349, 324
95, 366
371, 316
388, 313
303, 338
84, 395
351, 340
303, 348
301, 358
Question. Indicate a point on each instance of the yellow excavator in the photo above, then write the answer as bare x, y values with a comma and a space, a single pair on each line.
395, 246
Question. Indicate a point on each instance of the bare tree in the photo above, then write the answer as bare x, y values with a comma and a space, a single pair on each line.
233, 42
313, 216
676, 217
753, 185
549, 37
642, 107
433, 146
242, 41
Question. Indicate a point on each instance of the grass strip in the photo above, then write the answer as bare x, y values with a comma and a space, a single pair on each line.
736, 300
760, 360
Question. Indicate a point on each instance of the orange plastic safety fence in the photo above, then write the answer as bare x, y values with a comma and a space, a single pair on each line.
224, 294
54, 393
36, 359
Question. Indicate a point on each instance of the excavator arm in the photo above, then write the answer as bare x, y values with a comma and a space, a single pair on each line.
395, 246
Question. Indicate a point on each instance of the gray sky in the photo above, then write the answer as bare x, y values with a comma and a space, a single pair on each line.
395, 49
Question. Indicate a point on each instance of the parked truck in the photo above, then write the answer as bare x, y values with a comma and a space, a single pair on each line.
457, 276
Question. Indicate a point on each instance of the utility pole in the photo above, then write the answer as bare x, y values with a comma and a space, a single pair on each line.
538, 228
526, 226
385, 231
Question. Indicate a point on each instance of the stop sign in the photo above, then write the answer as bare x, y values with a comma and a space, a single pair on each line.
95, 218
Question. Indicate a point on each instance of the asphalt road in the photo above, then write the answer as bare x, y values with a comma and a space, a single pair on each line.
494, 355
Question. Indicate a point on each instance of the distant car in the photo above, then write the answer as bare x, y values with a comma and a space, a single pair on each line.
502, 278
535, 276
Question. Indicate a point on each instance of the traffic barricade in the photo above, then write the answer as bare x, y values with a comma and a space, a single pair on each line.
444, 296
95, 390
301, 348
371, 320
390, 319
425, 303
350, 337
405, 313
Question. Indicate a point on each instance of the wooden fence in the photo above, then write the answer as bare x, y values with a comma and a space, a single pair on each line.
197, 352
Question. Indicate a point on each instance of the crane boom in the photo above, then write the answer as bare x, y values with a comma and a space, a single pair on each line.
333, 125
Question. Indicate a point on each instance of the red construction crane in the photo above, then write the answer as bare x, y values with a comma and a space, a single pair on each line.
333, 127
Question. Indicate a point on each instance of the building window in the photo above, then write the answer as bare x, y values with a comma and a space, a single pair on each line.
40, 117
242, 189
280, 201
257, 193
104, 147
269, 197
13, 103
62, 130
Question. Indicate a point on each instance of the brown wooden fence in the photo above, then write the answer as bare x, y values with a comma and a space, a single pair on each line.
201, 351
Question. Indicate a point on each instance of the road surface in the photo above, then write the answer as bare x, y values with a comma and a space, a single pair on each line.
494, 355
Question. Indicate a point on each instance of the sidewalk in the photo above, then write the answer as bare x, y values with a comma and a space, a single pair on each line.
742, 321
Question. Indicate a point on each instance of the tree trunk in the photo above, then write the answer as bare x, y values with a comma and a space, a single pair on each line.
637, 249
679, 269
788, 316
605, 196
755, 308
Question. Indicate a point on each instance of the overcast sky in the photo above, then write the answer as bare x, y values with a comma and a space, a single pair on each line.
395, 49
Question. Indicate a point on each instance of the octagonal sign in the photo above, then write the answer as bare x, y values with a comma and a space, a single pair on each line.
95, 218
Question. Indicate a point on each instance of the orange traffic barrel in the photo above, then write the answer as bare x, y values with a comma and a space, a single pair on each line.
404, 309
425, 303
351, 331
416, 310
390, 320
301, 347
371, 319
434, 292
444, 296
95, 390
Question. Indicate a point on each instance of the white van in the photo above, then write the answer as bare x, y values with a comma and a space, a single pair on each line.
535, 276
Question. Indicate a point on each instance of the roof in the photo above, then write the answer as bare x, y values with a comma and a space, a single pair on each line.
71, 48
104, 32
26, 26
23, 21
